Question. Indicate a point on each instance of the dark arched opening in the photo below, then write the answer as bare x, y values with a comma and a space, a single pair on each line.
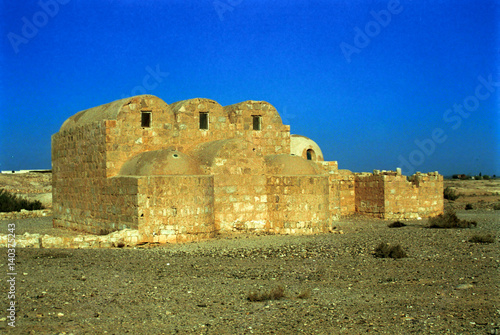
311, 155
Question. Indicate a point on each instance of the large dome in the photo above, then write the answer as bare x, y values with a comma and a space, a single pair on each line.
161, 162
290, 165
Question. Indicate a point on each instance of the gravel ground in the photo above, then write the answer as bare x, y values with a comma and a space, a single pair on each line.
332, 284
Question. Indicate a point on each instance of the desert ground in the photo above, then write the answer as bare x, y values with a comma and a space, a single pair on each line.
320, 284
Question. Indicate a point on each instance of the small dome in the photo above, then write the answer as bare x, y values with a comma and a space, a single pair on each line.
306, 148
160, 162
291, 165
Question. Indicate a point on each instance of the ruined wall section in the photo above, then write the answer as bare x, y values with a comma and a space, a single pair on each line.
298, 204
431, 199
334, 196
421, 195
272, 138
79, 177
390, 195
370, 194
175, 208
400, 196
331, 170
346, 181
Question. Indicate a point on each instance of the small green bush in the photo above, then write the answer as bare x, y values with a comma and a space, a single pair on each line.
482, 239
450, 194
450, 220
384, 250
468, 207
396, 224
12, 203
274, 294
496, 207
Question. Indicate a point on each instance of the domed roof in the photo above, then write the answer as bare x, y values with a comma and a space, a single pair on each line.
160, 162
110, 111
291, 165
305, 147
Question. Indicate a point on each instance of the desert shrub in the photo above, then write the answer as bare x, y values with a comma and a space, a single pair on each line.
468, 207
450, 220
396, 224
450, 194
486, 177
276, 293
12, 203
496, 207
384, 250
304, 294
482, 239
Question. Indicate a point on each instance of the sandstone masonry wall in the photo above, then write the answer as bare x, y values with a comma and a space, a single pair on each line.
346, 192
176, 208
298, 204
79, 177
273, 138
390, 195
369, 195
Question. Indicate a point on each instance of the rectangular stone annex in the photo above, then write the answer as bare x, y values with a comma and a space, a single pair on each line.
188, 170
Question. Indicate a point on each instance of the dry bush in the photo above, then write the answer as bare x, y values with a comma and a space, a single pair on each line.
482, 239
12, 203
384, 250
304, 294
450, 194
468, 207
450, 220
396, 224
276, 293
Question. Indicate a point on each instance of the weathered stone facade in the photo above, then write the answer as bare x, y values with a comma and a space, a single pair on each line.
185, 171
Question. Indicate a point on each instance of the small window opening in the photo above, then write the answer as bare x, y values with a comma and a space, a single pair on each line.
310, 155
257, 122
203, 120
145, 119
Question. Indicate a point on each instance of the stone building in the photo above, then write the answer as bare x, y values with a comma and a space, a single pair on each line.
185, 171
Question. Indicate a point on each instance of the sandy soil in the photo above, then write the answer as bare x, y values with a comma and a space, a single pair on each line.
447, 284
481, 194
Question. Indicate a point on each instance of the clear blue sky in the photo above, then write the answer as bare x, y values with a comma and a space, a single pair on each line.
377, 84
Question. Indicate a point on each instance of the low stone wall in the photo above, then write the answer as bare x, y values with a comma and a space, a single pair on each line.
24, 214
390, 195
369, 194
120, 238
346, 189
